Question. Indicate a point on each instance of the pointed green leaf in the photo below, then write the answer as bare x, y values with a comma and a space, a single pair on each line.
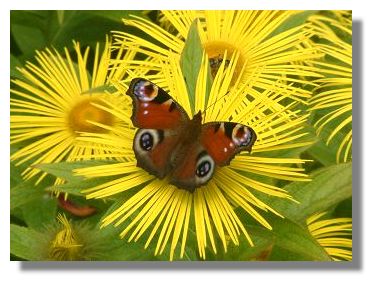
23, 243
191, 59
14, 63
329, 186
322, 153
75, 187
64, 170
295, 240
40, 211
25, 193
26, 28
287, 238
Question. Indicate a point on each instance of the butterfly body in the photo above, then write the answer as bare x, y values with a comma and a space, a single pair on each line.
170, 144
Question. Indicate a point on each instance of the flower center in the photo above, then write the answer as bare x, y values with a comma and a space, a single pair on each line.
85, 112
216, 50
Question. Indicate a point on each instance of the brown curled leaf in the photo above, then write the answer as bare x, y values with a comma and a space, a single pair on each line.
71, 207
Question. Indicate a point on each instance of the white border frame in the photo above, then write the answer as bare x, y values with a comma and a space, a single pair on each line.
211, 271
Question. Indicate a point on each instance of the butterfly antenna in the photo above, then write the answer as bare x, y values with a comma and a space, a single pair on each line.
205, 110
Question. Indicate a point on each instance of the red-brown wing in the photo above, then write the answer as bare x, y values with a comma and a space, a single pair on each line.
160, 120
153, 108
153, 149
223, 140
218, 143
193, 168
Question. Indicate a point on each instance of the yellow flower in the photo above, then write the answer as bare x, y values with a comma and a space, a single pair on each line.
330, 234
56, 100
248, 33
334, 92
160, 211
65, 245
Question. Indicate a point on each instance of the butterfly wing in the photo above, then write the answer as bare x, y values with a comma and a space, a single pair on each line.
160, 120
154, 108
218, 143
223, 140
194, 167
153, 148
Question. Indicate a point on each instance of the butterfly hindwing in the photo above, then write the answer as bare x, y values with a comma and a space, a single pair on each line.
153, 149
194, 167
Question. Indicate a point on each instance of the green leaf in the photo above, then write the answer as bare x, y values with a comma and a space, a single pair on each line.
14, 63
26, 29
191, 59
322, 153
65, 169
117, 15
262, 239
293, 21
28, 38
40, 211
190, 254
25, 193
35, 30
287, 238
112, 248
75, 184
344, 209
329, 186
75, 25
23, 242
294, 240
74, 187
16, 174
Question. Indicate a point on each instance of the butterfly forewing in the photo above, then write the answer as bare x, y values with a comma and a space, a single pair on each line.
153, 108
223, 140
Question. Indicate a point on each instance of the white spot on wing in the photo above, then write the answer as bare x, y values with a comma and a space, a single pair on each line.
222, 127
168, 102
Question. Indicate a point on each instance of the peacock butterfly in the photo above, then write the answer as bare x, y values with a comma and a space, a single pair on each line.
169, 143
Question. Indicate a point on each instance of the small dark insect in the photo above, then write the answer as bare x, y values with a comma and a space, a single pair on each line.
215, 64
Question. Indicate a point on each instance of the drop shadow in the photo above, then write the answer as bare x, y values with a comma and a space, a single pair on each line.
357, 143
